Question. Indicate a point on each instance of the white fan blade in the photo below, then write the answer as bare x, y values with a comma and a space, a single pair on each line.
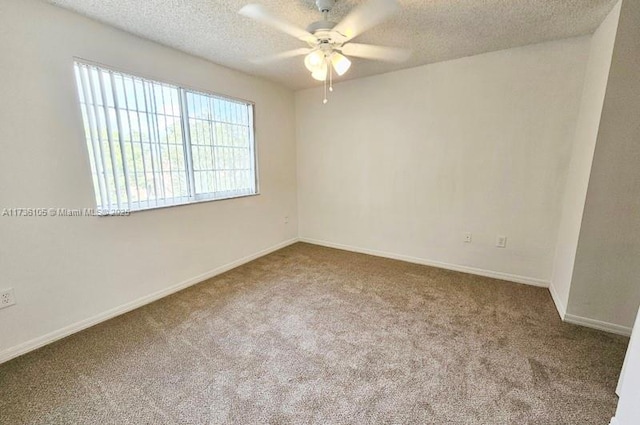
369, 51
280, 56
366, 16
261, 14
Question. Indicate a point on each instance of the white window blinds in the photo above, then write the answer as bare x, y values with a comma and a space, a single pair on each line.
153, 144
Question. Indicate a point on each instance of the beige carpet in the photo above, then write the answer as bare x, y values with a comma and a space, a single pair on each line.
311, 335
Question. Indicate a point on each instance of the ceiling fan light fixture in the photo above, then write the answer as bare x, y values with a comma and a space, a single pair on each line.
340, 63
315, 61
321, 73
327, 40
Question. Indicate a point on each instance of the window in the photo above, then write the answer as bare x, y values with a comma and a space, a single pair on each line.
153, 144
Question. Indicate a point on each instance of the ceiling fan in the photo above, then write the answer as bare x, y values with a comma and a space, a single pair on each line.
329, 43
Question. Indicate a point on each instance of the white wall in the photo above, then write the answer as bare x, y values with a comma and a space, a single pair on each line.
404, 163
401, 163
68, 270
606, 277
584, 143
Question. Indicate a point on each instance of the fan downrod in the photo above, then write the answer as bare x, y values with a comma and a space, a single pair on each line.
325, 6
322, 28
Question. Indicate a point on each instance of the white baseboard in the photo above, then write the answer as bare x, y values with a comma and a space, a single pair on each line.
562, 309
465, 269
584, 321
597, 324
41, 341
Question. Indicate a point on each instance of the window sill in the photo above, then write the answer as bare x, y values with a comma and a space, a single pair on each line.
194, 202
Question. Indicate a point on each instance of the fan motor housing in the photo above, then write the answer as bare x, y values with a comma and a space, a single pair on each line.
321, 26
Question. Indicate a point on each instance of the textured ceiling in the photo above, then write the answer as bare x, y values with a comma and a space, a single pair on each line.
436, 30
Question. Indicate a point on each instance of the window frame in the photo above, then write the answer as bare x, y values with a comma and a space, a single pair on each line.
194, 198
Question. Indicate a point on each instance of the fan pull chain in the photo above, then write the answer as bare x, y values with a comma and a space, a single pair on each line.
324, 101
330, 75
325, 92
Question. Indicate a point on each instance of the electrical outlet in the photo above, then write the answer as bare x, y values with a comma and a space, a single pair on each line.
7, 298
467, 237
286, 219
501, 241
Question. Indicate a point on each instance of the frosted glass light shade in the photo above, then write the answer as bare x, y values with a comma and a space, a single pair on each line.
321, 73
314, 61
340, 63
